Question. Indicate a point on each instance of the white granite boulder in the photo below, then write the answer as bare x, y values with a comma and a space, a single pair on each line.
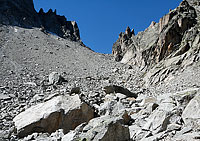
61, 112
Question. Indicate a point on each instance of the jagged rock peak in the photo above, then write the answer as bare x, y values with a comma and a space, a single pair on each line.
22, 13
129, 32
158, 41
123, 40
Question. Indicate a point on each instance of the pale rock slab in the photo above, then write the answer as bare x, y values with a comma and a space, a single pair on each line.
61, 112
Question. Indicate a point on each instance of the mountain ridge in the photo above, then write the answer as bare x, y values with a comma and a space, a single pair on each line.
22, 13
54, 88
161, 41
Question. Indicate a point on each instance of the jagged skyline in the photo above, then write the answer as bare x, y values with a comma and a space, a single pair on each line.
52, 87
100, 22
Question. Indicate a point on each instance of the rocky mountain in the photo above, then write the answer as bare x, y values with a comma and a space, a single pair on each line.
52, 87
174, 40
22, 13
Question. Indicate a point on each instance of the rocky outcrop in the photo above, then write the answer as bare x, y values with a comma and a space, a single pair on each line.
169, 33
22, 13
120, 47
18, 12
165, 118
161, 41
194, 2
172, 116
153, 97
165, 36
59, 25
62, 112
175, 24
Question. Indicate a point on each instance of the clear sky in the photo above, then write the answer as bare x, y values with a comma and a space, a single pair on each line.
101, 21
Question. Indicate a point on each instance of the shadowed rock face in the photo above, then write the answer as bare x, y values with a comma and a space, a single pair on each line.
18, 12
22, 13
59, 25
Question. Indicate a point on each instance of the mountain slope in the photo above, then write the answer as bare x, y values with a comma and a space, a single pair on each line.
52, 87
163, 47
31, 49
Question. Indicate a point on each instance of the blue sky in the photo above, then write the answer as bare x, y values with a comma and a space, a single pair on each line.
101, 21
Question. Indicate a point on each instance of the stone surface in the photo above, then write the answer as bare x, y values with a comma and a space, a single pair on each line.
54, 78
69, 136
65, 112
4, 97
76, 90
150, 93
158, 121
119, 89
105, 128
191, 114
159, 42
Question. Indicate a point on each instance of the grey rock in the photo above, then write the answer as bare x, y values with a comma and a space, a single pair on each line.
147, 100
133, 129
185, 130
120, 96
76, 90
158, 75
151, 107
54, 78
30, 83
158, 121
159, 43
158, 136
62, 112
188, 137
105, 128
69, 136
119, 89
58, 135
37, 98
111, 108
31, 137
172, 127
191, 114
4, 97
50, 96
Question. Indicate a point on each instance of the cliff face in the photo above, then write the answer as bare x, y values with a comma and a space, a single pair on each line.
159, 40
22, 13
174, 40
18, 12
59, 25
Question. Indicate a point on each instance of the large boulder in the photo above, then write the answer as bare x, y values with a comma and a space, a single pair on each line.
158, 121
61, 112
104, 128
191, 114
55, 78
119, 89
